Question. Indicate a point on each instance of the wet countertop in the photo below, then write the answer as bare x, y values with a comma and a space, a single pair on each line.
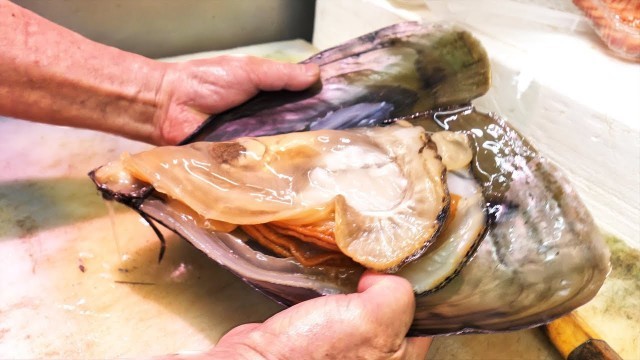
80, 279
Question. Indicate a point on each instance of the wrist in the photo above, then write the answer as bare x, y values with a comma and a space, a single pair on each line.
165, 78
52, 75
137, 99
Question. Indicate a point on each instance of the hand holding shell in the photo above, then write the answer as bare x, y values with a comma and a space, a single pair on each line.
515, 249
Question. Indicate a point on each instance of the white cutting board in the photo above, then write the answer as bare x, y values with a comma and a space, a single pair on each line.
76, 282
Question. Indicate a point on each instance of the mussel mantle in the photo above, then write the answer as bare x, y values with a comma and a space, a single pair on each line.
542, 255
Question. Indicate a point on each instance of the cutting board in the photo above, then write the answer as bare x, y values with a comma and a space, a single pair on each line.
79, 278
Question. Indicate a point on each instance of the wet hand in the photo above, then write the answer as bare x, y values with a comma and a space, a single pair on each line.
191, 91
370, 324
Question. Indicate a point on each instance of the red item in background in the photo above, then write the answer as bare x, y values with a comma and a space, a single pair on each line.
617, 22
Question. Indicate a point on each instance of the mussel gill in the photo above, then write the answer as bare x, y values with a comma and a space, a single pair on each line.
503, 240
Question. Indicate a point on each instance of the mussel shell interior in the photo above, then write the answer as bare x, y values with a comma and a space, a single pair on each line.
542, 255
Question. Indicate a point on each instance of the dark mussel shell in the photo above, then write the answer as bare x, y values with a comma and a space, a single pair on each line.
394, 72
542, 255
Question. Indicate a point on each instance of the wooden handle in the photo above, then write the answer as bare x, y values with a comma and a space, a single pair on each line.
575, 340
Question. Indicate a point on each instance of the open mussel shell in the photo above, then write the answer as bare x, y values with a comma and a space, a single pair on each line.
541, 256
394, 72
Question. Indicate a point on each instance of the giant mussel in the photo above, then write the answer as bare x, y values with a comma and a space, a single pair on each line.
489, 232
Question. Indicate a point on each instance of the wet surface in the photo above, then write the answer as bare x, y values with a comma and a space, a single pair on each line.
101, 286
69, 271
76, 272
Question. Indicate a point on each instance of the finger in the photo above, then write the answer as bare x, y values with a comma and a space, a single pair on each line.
390, 304
370, 278
270, 75
240, 331
416, 348
393, 294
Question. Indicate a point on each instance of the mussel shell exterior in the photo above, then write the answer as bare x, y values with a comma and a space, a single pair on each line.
394, 72
542, 255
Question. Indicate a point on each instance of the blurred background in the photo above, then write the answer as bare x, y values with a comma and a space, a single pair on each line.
160, 28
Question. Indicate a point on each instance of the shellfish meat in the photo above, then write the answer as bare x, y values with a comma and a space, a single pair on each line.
384, 165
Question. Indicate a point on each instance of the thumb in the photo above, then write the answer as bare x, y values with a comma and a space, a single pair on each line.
392, 296
416, 348
389, 298
371, 324
268, 75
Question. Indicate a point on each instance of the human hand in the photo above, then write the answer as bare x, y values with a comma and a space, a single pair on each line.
191, 91
89, 85
370, 324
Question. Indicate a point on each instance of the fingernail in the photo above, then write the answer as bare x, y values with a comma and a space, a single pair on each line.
311, 70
